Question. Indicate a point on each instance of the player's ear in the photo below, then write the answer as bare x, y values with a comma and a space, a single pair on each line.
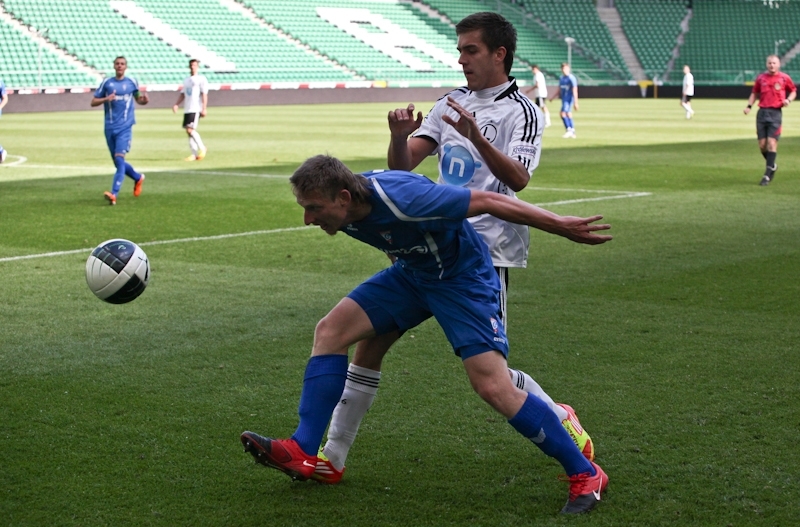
500, 53
344, 197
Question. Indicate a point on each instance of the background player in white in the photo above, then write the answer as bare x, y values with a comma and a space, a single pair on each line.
688, 91
538, 93
194, 95
487, 136
3, 102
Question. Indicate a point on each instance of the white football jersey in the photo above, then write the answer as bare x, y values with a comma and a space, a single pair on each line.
193, 87
514, 125
540, 85
688, 84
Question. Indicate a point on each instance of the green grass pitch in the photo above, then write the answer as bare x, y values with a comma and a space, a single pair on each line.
677, 342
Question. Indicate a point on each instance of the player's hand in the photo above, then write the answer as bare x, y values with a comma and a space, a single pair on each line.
143, 99
575, 106
466, 124
203, 113
746, 110
112, 96
786, 102
174, 108
402, 122
582, 230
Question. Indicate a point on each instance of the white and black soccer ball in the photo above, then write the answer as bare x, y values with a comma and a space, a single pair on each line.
117, 271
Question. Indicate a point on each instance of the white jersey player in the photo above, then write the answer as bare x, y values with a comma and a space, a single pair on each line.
687, 92
538, 93
513, 125
194, 96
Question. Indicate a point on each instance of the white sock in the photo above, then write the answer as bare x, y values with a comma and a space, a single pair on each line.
193, 146
525, 382
199, 141
359, 392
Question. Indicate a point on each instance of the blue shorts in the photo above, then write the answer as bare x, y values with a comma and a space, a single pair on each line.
566, 106
119, 142
466, 307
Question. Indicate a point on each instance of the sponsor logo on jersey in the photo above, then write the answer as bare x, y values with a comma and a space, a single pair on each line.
457, 165
387, 235
524, 150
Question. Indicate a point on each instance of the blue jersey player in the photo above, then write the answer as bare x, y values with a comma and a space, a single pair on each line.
442, 269
568, 91
117, 95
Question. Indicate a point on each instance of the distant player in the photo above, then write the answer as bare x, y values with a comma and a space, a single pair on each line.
687, 92
538, 93
568, 91
774, 90
194, 95
117, 95
3, 102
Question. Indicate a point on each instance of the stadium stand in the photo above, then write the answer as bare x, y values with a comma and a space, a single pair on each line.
378, 40
285, 43
536, 43
579, 19
729, 40
652, 28
20, 63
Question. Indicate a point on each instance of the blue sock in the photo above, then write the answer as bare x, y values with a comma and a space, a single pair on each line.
565, 120
322, 388
131, 173
119, 175
536, 421
569, 123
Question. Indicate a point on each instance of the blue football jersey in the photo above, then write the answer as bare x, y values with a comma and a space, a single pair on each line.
2, 89
422, 224
565, 85
119, 112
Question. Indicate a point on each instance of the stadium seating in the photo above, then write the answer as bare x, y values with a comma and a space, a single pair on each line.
399, 42
579, 19
19, 63
375, 39
729, 40
652, 28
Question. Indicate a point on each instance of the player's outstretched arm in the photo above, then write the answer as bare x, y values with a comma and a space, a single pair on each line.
580, 230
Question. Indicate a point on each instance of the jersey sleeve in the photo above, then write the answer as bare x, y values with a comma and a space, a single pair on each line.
790, 86
415, 198
757, 85
431, 127
203, 84
100, 92
525, 143
574, 80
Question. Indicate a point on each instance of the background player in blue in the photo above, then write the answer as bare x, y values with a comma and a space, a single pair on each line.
442, 269
568, 91
3, 102
117, 95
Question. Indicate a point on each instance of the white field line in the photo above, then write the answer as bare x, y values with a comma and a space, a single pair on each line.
160, 242
20, 160
612, 194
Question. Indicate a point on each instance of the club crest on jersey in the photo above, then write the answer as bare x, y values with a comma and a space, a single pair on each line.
489, 131
778, 86
457, 165
494, 324
386, 235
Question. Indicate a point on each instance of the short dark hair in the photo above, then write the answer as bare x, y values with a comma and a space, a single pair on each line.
193, 60
121, 57
327, 175
496, 32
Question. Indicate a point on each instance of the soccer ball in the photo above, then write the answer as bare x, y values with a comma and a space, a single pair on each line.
117, 271
3, 154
